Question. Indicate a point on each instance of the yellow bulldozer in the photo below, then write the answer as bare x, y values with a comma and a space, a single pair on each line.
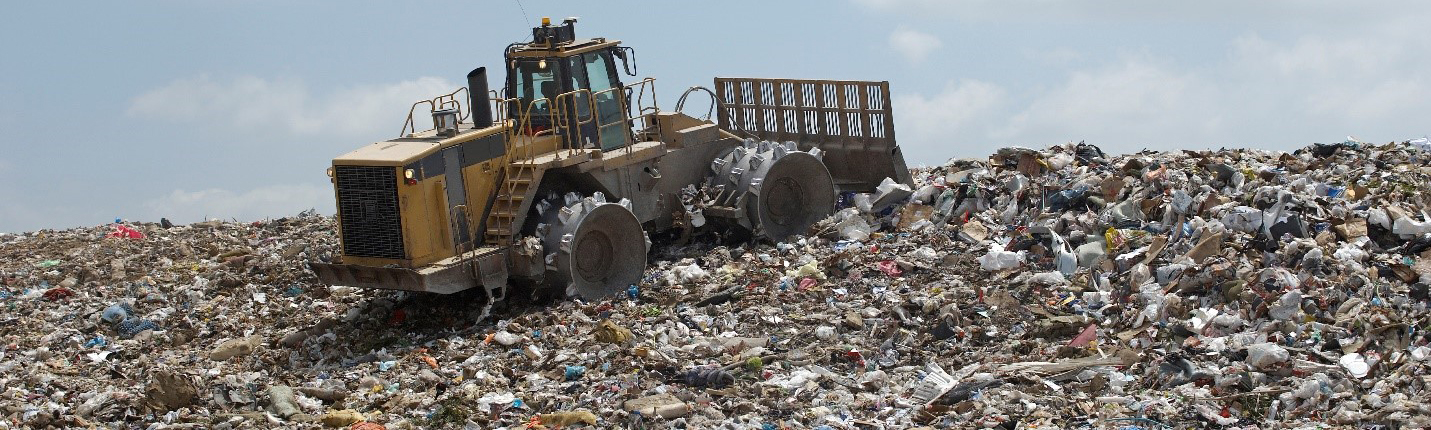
557, 177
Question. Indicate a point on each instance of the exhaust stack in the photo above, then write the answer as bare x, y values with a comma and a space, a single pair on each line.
478, 98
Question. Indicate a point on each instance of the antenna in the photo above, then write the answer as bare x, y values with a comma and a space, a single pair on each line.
524, 13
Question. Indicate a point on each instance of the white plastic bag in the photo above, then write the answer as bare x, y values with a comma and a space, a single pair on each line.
1407, 227
1063, 257
1245, 219
999, 259
1286, 307
925, 194
1423, 144
925, 253
1264, 355
1378, 217
854, 228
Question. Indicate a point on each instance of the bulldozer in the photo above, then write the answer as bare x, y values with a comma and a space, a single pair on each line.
559, 177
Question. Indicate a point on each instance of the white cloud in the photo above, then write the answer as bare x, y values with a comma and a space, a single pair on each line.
950, 123
1053, 57
914, 45
1268, 12
1124, 107
183, 206
286, 105
1371, 78
1274, 94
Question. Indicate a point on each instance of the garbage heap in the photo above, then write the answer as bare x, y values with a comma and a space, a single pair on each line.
1054, 288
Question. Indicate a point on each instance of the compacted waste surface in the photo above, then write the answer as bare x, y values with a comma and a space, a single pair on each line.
1054, 288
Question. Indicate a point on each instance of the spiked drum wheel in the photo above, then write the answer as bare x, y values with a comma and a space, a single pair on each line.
594, 248
797, 191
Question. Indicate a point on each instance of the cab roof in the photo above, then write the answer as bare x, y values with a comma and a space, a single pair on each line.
580, 46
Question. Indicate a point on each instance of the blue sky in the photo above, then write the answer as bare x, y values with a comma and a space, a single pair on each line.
232, 109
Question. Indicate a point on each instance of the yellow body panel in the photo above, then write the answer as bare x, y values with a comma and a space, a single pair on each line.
427, 227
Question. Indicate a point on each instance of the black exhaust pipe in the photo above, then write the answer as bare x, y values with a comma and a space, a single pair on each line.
479, 98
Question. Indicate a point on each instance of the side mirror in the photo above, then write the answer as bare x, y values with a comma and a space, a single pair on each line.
621, 53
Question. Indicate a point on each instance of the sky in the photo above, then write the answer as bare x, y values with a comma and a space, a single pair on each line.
233, 109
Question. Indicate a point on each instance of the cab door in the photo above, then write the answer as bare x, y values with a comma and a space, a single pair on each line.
606, 128
610, 98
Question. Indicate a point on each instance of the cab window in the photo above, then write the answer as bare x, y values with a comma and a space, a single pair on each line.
598, 72
531, 82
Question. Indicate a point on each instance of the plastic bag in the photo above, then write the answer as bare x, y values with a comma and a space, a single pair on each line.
1059, 161
1264, 355
1423, 144
1063, 257
999, 259
1407, 227
1378, 217
685, 274
1245, 219
863, 202
1090, 253
1067, 199
925, 253
1182, 202
1286, 307
854, 228
1049, 278
925, 193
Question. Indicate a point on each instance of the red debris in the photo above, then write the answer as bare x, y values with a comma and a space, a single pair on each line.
807, 283
397, 317
124, 232
1089, 333
57, 293
890, 268
367, 425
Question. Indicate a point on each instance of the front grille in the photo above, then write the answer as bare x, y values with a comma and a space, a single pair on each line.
368, 211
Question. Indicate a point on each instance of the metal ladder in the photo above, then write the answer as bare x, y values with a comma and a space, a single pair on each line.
520, 176
510, 207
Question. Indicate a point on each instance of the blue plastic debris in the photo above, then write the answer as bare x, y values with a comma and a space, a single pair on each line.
133, 326
97, 341
574, 372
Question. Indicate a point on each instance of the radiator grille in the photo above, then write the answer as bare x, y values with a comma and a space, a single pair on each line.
368, 210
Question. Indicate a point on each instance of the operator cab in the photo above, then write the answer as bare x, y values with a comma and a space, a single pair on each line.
569, 87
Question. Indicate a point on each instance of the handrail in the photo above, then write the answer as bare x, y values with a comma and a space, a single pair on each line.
565, 121
643, 113
441, 101
681, 103
431, 107
518, 157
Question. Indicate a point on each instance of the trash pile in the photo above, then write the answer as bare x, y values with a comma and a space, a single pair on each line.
1055, 288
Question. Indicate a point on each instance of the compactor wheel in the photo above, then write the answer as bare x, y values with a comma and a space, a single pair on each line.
795, 193
594, 248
